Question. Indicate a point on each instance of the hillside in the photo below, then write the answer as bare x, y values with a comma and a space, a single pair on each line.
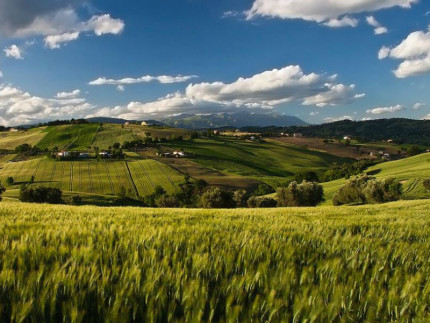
134, 264
235, 120
399, 130
410, 171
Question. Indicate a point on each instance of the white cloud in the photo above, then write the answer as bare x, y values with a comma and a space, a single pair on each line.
320, 11
120, 88
335, 119
229, 14
164, 79
418, 105
379, 29
384, 110
55, 41
427, 117
367, 119
13, 51
18, 107
1, 74
104, 24
342, 22
415, 53
68, 95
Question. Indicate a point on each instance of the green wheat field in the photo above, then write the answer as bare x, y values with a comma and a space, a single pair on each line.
326, 264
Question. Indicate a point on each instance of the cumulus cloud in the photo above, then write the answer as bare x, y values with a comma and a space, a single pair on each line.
415, 53
55, 41
57, 21
335, 119
379, 29
68, 95
261, 92
120, 88
13, 51
333, 13
229, 14
418, 105
384, 110
342, 22
1, 74
427, 117
163, 79
18, 107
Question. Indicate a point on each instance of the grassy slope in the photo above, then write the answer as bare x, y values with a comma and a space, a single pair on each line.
10, 140
111, 133
78, 136
411, 171
90, 176
366, 263
270, 162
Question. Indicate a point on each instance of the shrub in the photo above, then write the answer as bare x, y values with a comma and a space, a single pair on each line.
366, 189
263, 189
305, 194
426, 184
414, 150
308, 176
167, 201
10, 181
40, 194
2, 190
74, 200
239, 198
216, 198
261, 202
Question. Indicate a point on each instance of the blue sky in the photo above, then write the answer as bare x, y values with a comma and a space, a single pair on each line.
320, 62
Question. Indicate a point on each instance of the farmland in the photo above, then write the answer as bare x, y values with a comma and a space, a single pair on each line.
366, 263
270, 162
10, 140
78, 136
105, 177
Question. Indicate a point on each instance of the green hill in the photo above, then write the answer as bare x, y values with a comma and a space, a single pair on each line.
352, 264
410, 171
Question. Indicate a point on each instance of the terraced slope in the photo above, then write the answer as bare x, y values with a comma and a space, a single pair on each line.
10, 140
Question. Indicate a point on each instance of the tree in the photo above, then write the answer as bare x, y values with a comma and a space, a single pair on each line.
167, 201
122, 193
216, 198
308, 176
2, 190
414, 150
240, 198
10, 181
40, 194
261, 202
116, 145
263, 189
74, 200
426, 184
296, 195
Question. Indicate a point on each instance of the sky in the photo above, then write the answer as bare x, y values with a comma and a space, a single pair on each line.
140, 60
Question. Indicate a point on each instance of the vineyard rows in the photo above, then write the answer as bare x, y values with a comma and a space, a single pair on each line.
138, 177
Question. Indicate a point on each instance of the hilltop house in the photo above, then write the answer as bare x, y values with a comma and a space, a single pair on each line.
63, 153
104, 154
297, 135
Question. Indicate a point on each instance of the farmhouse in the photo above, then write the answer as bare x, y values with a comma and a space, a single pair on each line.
347, 138
84, 155
179, 154
63, 154
13, 130
104, 154
297, 135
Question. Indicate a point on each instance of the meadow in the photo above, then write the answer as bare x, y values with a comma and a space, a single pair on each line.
10, 140
77, 136
140, 177
326, 264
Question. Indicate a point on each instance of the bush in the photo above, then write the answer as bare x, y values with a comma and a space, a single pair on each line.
10, 181
167, 201
414, 150
2, 190
216, 198
239, 198
296, 195
308, 176
366, 189
263, 189
261, 202
40, 194
426, 184
74, 200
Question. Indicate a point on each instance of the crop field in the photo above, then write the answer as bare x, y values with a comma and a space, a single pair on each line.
269, 162
410, 171
78, 136
326, 264
105, 178
111, 133
159, 132
6, 158
10, 140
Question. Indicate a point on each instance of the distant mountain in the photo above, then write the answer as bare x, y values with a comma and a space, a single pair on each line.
122, 121
236, 120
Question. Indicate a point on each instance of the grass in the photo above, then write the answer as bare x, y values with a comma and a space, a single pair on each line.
326, 264
10, 140
78, 136
410, 171
271, 162
104, 178
111, 133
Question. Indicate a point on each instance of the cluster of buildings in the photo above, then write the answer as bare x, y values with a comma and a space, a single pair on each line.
294, 135
173, 154
68, 154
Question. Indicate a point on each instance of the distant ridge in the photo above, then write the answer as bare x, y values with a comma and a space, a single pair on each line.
121, 121
236, 120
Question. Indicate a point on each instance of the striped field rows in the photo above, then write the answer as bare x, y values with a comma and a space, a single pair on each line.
138, 177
